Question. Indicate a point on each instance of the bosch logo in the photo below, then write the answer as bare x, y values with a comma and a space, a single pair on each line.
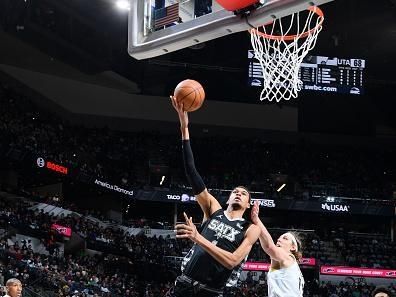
51, 166
58, 168
40, 162
327, 270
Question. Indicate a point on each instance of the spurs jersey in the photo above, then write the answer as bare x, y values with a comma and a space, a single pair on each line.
285, 282
227, 234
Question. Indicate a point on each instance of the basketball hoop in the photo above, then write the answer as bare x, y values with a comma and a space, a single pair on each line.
280, 52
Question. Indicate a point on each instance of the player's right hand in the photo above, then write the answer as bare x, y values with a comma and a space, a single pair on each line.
187, 230
183, 116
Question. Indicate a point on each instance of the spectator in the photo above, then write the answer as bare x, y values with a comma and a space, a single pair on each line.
13, 288
381, 291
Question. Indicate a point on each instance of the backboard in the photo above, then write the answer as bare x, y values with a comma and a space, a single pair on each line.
157, 27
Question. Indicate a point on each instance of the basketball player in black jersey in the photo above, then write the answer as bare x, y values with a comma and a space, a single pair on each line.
225, 238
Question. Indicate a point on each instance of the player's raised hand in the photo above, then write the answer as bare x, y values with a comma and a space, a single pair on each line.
254, 214
183, 116
187, 230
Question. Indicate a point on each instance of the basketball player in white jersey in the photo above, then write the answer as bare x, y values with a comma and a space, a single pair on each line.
284, 277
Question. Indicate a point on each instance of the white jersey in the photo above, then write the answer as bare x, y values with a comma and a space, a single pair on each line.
285, 282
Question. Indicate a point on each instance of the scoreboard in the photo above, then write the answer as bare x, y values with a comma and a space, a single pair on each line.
319, 73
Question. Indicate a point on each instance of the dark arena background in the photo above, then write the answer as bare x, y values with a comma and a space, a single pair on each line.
91, 171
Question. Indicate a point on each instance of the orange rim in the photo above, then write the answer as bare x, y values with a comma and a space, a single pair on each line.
314, 9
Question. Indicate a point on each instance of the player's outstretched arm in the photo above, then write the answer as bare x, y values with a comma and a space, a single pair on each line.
207, 202
266, 241
227, 259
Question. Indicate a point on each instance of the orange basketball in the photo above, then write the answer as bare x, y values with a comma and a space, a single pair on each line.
190, 93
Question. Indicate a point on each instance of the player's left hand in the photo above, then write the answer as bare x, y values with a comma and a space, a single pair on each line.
187, 230
254, 214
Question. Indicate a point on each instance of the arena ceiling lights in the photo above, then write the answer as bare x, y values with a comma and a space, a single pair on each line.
123, 5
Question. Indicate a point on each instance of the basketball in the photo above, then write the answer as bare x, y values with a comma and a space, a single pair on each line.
190, 93
232, 5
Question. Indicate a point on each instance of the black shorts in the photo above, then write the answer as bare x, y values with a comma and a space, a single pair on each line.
185, 287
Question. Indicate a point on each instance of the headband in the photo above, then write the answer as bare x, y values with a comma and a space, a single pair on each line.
293, 239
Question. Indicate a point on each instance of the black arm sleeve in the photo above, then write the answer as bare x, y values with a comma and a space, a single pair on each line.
193, 176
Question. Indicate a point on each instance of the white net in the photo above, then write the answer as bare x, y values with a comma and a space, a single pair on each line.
280, 55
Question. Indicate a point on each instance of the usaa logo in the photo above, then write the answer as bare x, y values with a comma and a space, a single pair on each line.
335, 207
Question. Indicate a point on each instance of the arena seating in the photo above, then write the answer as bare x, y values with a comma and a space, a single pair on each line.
135, 265
126, 256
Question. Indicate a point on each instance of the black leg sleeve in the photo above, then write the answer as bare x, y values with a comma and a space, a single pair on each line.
193, 176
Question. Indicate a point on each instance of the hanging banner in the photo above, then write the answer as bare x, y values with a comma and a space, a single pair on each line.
357, 271
261, 266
